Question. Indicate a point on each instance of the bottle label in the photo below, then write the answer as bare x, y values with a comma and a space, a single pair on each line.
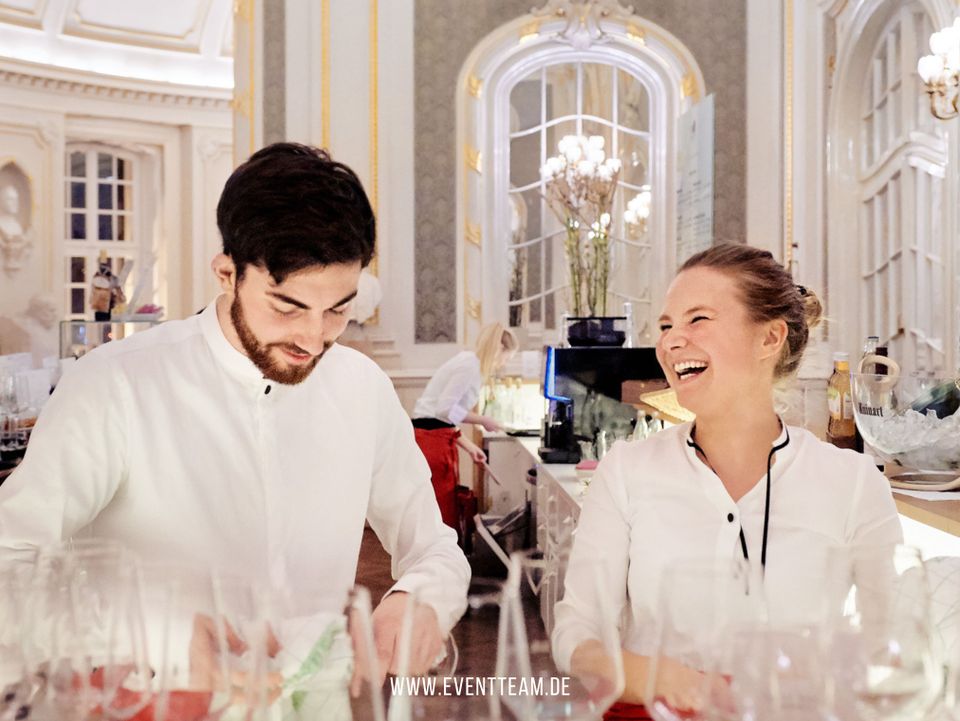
847, 407
834, 404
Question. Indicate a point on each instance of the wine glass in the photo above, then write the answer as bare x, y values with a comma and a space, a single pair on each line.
702, 603
774, 674
208, 641
15, 685
882, 648
538, 689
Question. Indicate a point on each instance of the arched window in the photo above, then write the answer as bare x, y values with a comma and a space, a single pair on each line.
893, 281
598, 70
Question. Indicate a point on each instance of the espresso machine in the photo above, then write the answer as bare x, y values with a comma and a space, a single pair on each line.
583, 387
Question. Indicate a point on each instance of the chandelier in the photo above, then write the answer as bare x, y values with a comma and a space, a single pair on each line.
941, 71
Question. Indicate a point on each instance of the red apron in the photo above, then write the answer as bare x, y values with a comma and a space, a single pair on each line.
627, 712
439, 446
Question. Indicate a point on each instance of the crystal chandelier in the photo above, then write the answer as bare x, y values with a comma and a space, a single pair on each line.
941, 71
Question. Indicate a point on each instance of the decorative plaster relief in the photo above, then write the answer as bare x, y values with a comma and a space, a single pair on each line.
16, 206
23, 12
179, 27
218, 100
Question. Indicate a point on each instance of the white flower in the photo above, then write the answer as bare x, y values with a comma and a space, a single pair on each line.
605, 219
630, 216
586, 168
553, 167
604, 173
614, 164
573, 153
596, 156
595, 142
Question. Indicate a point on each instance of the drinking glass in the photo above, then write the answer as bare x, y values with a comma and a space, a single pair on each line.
882, 648
208, 644
433, 691
702, 604
536, 689
774, 674
15, 679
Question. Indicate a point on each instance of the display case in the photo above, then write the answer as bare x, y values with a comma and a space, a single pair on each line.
78, 337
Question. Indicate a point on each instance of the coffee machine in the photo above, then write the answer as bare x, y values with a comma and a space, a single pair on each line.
583, 388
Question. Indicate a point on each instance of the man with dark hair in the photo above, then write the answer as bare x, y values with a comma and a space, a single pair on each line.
243, 437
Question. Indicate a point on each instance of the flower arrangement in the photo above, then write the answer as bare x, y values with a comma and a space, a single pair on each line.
580, 185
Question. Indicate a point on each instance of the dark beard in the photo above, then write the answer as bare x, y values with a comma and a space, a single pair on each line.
260, 354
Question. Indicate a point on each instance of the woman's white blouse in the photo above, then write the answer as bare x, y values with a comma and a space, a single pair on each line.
653, 502
453, 390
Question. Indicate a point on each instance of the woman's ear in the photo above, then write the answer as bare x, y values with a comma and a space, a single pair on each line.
773, 338
225, 271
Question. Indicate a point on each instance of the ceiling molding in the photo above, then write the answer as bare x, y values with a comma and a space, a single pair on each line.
53, 79
32, 18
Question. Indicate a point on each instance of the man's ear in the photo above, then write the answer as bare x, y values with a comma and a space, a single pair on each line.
774, 336
225, 271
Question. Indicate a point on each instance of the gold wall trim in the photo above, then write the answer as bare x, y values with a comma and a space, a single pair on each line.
475, 85
688, 86
252, 39
788, 136
325, 73
474, 159
374, 98
473, 233
530, 31
474, 308
636, 33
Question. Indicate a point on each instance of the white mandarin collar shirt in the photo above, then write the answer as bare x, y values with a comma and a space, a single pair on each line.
172, 442
452, 391
652, 503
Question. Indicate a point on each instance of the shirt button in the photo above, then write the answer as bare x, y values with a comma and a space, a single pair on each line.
730, 518
266, 391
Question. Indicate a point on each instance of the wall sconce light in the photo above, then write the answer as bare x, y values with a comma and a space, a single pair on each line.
941, 71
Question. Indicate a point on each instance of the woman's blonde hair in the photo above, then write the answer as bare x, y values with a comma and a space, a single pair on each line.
493, 337
769, 293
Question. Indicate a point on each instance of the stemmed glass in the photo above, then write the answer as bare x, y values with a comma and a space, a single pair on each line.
702, 603
14, 396
775, 674
525, 655
882, 649
208, 644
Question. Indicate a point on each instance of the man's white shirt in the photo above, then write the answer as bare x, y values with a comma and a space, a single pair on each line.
173, 442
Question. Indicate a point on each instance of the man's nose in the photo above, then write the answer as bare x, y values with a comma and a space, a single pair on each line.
311, 336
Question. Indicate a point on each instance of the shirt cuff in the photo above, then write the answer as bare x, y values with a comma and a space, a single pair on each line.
448, 604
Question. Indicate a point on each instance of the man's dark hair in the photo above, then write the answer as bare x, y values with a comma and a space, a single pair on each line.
290, 207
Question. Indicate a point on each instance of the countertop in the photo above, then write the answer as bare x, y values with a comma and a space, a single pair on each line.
941, 515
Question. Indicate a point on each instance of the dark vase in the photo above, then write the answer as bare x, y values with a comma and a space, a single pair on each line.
595, 331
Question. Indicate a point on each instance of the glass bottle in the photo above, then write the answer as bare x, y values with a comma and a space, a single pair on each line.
841, 429
869, 349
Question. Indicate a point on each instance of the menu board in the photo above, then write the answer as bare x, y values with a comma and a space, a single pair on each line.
695, 179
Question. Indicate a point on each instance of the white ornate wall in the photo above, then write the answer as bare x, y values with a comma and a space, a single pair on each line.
185, 129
